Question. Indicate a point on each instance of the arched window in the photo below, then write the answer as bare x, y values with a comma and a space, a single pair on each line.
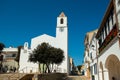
61, 21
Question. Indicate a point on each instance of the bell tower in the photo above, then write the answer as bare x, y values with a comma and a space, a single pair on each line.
61, 29
62, 39
62, 20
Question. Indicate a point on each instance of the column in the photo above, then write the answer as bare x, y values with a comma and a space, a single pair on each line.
100, 75
106, 74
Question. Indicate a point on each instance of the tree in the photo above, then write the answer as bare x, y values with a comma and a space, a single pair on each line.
1, 47
39, 55
46, 54
1, 56
56, 56
59, 56
79, 67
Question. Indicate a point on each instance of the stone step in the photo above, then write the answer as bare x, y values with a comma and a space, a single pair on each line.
77, 78
11, 76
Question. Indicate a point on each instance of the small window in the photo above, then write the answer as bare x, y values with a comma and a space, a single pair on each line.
91, 55
91, 69
95, 68
118, 2
61, 21
13, 55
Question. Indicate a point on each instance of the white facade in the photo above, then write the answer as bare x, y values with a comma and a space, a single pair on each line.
108, 57
104, 48
109, 45
93, 58
89, 52
24, 65
60, 41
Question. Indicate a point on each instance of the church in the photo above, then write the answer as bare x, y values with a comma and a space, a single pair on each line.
60, 41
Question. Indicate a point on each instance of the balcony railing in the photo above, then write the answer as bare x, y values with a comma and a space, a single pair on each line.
109, 38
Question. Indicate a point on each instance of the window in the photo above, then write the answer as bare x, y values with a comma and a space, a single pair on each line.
100, 41
105, 30
108, 25
95, 68
91, 69
118, 2
11, 55
112, 15
1, 57
61, 21
91, 55
103, 36
112, 19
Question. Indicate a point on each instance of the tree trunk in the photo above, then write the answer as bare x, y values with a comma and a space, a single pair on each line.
47, 65
52, 67
43, 68
39, 67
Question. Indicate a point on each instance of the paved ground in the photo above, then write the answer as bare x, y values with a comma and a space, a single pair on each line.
78, 78
5, 77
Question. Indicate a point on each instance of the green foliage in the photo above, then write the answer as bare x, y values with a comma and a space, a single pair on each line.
1, 47
46, 54
79, 67
56, 55
40, 54
1, 56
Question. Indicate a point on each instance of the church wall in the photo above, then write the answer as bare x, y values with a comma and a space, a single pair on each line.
25, 66
40, 39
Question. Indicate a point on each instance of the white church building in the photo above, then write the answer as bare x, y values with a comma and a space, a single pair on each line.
60, 41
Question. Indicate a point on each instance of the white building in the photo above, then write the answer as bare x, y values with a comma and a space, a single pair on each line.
109, 43
93, 53
106, 52
60, 41
9, 58
87, 58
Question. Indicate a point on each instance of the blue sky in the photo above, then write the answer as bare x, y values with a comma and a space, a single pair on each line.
21, 20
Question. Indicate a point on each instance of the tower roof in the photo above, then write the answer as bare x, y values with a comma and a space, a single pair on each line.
62, 14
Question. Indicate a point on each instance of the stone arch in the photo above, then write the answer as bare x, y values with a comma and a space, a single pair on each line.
113, 65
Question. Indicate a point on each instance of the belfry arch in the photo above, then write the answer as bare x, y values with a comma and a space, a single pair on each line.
61, 21
113, 65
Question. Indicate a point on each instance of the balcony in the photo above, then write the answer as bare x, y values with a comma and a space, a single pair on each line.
109, 38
